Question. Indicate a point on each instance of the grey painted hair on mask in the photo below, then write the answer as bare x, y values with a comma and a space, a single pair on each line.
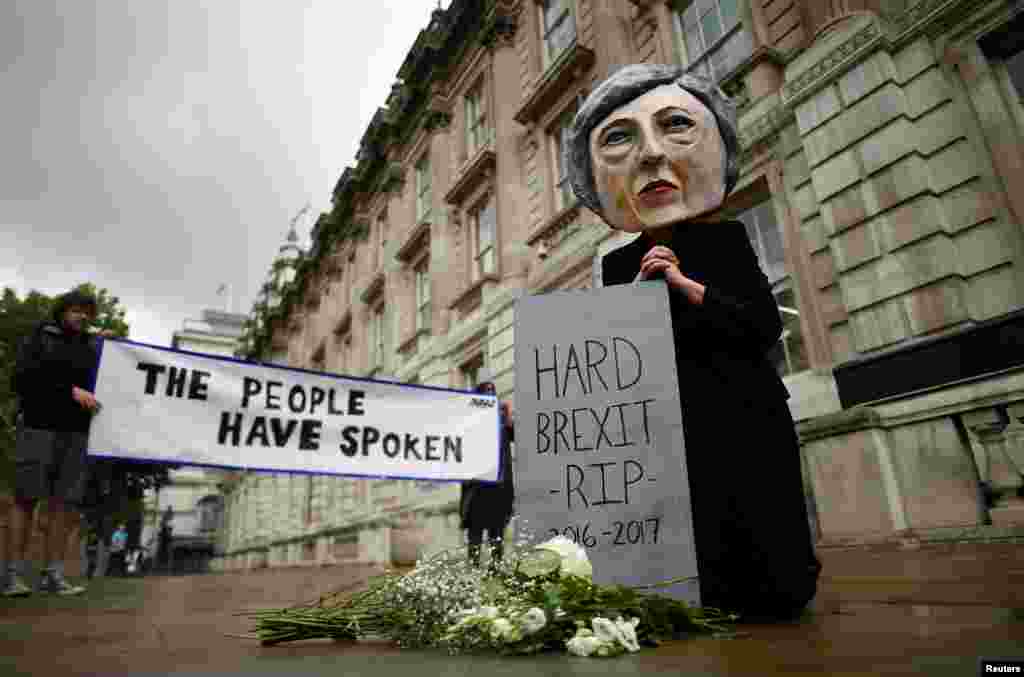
626, 84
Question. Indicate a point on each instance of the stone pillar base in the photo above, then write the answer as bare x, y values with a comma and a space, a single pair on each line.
1008, 512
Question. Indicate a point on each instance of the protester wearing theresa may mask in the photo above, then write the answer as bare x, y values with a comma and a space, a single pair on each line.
655, 151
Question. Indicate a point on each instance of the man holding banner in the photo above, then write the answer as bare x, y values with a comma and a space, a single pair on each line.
52, 376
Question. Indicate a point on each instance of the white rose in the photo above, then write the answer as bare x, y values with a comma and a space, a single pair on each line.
533, 620
574, 558
606, 631
627, 630
502, 629
583, 646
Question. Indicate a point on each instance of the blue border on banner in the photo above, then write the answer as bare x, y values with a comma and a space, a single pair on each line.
223, 358
132, 459
269, 365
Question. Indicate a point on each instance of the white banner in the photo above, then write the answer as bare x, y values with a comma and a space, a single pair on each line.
160, 404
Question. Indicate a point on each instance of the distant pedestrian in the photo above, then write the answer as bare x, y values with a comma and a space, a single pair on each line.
118, 551
92, 553
488, 507
52, 379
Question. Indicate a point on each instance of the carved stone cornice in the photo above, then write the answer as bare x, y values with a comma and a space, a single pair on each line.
472, 296
344, 324
413, 242
374, 288
823, 71
500, 27
551, 232
936, 16
480, 169
766, 125
570, 66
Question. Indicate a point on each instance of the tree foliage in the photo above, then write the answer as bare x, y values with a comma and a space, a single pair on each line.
115, 487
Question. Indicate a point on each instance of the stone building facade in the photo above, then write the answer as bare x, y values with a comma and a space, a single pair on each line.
191, 502
882, 185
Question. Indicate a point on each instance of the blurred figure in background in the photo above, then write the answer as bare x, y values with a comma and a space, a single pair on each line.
488, 507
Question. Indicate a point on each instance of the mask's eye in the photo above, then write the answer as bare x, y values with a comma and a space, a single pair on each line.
677, 122
615, 136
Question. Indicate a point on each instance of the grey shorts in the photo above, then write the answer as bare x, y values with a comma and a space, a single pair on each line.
50, 464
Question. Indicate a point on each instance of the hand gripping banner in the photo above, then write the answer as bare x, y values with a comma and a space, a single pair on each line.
188, 408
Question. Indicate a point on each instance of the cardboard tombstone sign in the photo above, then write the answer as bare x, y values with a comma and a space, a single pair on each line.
650, 147
599, 435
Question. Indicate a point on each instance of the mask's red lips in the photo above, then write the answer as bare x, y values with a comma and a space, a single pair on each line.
658, 186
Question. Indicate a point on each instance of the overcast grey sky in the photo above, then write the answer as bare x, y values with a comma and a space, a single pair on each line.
159, 148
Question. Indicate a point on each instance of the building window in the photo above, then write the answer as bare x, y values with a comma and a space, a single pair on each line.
342, 351
471, 372
422, 272
790, 354
711, 39
377, 338
766, 236
423, 198
381, 240
319, 358
477, 131
1015, 71
1004, 50
558, 23
484, 221
559, 147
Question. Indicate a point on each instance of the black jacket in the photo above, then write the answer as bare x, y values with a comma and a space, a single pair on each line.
722, 345
753, 540
50, 362
484, 503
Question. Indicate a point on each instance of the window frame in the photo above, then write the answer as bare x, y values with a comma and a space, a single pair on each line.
560, 175
477, 122
424, 189
548, 57
422, 294
381, 237
477, 272
700, 64
469, 371
376, 330
782, 281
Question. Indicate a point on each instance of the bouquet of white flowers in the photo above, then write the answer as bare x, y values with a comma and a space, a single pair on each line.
540, 598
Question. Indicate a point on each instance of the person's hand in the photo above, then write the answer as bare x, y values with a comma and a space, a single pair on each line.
506, 411
662, 260
86, 399
107, 333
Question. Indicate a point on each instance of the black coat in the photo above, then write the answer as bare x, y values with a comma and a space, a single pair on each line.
754, 546
482, 504
49, 363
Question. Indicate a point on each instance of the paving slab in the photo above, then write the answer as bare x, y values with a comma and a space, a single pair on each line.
875, 624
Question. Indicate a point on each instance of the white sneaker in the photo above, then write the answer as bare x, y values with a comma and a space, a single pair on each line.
15, 587
56, 584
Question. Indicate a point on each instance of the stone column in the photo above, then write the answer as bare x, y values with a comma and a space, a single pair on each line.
998, 445
512, 253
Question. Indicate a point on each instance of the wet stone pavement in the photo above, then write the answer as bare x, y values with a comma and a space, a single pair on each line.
932, 612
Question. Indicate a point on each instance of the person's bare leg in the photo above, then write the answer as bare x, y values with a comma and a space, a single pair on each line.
20, 524
19, 527
73, 531
56, 534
